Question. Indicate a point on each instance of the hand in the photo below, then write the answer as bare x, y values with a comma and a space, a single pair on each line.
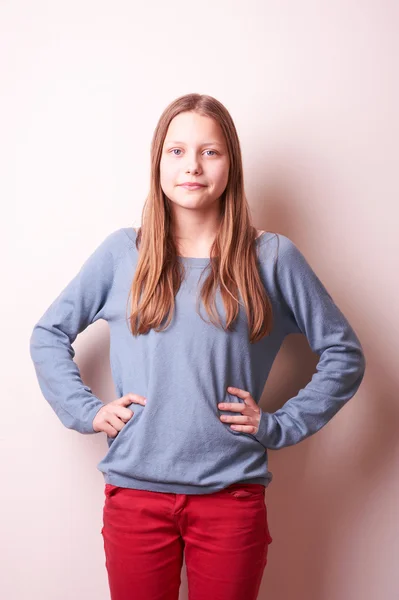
249, 423
113, 416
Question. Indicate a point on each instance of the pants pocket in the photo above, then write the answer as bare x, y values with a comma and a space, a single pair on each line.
241, 491
246, 490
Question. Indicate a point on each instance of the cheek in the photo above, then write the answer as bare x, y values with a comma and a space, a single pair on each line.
165, 176
168, 173
221, 177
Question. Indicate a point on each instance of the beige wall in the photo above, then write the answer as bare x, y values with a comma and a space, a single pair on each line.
313, 90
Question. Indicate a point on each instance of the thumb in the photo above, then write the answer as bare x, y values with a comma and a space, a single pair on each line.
131, 397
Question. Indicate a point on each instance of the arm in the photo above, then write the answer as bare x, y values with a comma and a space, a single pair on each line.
80, 303
309, 309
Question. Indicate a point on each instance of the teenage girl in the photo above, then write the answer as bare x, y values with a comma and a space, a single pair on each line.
186, 468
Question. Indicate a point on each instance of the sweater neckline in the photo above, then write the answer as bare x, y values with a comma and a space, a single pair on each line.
199, 261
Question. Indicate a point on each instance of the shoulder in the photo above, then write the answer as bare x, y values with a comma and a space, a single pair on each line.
130, 232
112, 247
115, 240
282, 243
286, 247
291, 263
279, 249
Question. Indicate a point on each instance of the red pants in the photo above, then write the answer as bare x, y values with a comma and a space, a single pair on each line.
224, 537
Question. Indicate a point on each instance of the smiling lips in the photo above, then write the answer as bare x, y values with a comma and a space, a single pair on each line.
192, 186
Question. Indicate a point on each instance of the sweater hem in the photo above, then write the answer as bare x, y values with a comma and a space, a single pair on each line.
174, 488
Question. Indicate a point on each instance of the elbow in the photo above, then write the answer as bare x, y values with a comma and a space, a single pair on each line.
360, 368
36, 342
362, 360
362, 365
33, 345
357, 359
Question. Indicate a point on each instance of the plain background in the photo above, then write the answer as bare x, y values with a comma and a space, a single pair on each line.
313, 90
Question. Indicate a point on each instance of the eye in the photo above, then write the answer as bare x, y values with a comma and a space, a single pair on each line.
178, 149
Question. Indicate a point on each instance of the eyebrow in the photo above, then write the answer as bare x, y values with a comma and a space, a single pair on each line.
204, 144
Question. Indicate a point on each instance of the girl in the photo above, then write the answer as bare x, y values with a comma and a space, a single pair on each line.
187, 468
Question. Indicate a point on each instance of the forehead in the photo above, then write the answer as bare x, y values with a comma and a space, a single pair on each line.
190, 127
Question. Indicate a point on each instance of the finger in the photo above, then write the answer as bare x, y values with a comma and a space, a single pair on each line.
233, 419
131, 397
245, 428
238, 392
233, 406
125, 414
115, 421
109, 430
246, 396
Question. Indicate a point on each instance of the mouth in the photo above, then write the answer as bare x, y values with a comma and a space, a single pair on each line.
191, 186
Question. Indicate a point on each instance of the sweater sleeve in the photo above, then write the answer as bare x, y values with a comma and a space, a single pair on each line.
309, 309
78, 305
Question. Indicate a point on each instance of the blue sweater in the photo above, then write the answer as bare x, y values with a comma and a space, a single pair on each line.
177, 442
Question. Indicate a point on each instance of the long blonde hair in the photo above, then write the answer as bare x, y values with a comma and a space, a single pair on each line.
233, 259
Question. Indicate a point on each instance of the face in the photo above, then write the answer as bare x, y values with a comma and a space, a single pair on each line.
194, 150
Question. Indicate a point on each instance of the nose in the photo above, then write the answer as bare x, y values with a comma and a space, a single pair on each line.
193, 164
